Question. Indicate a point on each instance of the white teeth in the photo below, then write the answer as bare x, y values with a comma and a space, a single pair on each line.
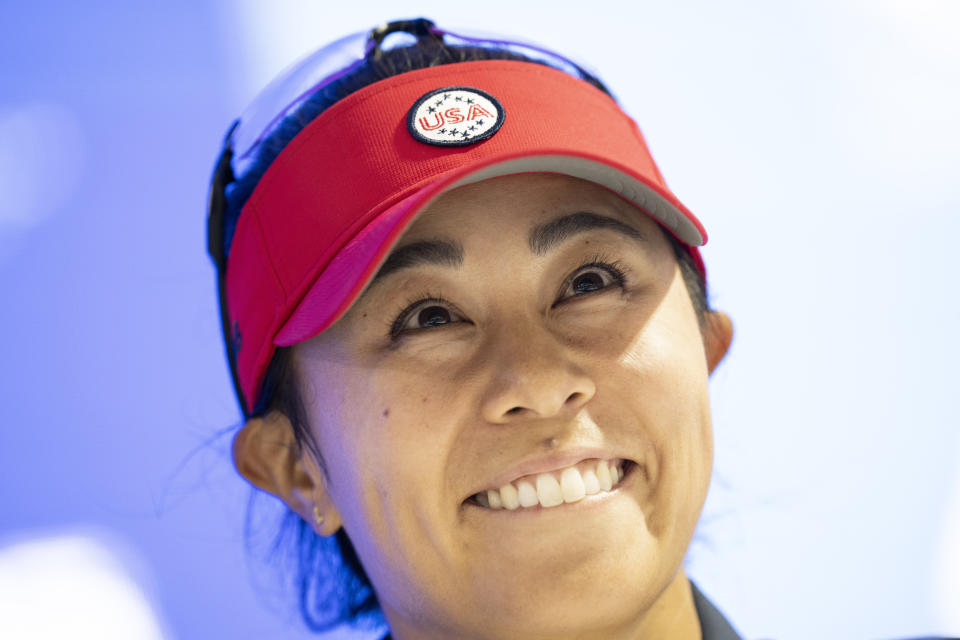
527, 495
603, 476
575, 483
591, 484
571, 484
548, 490
509, 497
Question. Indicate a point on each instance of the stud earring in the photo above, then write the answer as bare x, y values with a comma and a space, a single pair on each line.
316, 515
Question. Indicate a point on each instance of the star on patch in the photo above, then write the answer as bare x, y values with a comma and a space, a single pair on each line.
431, 109
444, 130
470, 100
458, 99
479, 122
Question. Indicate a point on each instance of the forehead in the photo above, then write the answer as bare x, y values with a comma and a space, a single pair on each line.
521, 201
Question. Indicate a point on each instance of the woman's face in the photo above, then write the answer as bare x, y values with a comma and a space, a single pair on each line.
538, 322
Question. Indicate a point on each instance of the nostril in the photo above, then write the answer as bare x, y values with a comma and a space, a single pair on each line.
574, 397
514, 411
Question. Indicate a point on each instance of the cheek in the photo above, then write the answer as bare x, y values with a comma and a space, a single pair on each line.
390, 444
382, 438
665, 366
668, 383
340, 402
667, 357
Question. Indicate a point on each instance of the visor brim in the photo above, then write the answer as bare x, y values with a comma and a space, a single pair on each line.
352, 269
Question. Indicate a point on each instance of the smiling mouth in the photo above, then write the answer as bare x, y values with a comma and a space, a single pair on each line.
556, 488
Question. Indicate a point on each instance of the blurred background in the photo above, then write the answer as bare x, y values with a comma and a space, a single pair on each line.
817, 141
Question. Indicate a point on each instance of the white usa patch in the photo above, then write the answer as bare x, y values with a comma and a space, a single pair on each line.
455, 116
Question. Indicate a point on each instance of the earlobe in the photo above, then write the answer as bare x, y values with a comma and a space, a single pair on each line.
266, 453
717, 339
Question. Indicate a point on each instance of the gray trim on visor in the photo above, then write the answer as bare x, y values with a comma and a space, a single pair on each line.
628, 187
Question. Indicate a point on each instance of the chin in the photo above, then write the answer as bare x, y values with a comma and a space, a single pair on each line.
589, 599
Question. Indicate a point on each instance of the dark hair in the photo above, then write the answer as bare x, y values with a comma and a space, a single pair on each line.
332, 586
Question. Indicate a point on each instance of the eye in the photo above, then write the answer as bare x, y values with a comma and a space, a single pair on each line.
590, 281
595, 275
425, 312
432, 316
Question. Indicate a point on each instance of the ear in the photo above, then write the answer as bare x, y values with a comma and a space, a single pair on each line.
266, 453
717, 338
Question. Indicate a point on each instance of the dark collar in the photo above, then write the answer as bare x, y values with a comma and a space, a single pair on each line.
712, 623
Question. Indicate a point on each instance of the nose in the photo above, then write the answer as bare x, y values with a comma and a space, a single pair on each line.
533, 375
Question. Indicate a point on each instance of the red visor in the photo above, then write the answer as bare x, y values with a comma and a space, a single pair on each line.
332, 205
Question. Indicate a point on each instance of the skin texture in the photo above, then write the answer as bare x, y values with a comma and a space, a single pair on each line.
529, 364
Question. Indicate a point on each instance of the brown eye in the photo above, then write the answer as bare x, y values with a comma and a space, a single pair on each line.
423, 313
590, 281
433, 316
592, 277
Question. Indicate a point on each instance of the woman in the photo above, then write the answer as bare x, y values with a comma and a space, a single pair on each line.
468, 327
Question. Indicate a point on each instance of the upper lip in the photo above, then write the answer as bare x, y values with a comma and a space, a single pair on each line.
546, 463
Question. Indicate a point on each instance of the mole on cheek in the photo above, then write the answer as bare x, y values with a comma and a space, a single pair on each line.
386, 412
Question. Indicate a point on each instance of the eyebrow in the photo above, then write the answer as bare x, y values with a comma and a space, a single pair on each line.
547, 236
445, 253
543, 239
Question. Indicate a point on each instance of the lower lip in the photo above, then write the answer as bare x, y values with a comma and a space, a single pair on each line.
593, 501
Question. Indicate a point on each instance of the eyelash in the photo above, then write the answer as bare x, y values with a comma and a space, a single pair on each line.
614, 268
413, 304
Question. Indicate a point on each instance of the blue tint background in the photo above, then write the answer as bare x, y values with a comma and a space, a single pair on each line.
818, 143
